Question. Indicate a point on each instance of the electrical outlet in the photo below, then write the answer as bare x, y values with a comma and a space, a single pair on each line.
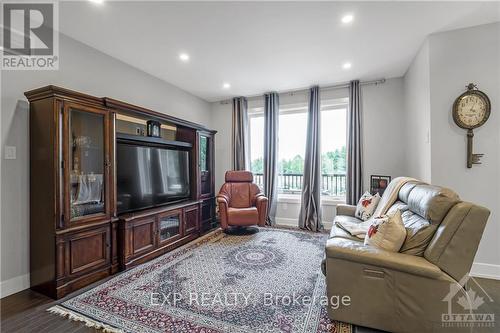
10, 153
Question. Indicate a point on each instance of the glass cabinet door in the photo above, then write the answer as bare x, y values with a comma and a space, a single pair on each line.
169, 226
87, 162
204, 152
205, 164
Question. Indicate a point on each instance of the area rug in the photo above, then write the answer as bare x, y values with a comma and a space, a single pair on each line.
270, 281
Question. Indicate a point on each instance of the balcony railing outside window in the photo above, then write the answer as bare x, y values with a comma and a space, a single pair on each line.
331, 184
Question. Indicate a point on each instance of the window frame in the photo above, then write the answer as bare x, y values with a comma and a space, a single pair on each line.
291, 108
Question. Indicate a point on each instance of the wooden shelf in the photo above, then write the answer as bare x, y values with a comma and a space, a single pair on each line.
152, 140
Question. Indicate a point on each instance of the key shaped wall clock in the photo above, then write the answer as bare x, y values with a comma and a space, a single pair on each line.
471, 110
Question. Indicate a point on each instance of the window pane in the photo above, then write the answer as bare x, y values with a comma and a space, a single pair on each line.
256, 124
333, 152
292, 148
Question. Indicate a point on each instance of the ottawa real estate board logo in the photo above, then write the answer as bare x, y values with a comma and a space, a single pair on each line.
30, 38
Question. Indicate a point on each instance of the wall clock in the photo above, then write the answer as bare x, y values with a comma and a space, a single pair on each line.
471, 110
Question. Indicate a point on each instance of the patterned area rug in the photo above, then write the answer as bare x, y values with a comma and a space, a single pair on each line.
266, 282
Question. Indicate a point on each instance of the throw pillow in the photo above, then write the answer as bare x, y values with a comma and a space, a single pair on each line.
387, 232
366, 206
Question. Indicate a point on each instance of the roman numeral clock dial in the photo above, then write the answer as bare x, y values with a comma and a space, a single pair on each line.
471, 110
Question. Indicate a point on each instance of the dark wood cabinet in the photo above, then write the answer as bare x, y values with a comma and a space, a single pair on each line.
70, 190
150, 233
206, 179
76, 236
191, 219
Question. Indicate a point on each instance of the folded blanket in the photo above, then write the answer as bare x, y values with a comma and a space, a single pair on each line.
388, 199
354, 228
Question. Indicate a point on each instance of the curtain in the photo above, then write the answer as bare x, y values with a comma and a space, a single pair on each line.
271, 119
240, 133
310, 208
354, 172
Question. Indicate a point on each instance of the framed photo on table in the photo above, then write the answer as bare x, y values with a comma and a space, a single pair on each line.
378, 184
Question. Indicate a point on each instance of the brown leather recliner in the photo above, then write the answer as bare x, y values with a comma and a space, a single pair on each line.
240, 201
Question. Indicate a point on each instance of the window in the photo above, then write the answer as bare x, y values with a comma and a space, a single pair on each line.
292, 146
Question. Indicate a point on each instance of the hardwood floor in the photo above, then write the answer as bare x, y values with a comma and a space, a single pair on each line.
25, 312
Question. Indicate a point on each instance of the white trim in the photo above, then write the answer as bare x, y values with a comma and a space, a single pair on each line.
325, 200
488, 271
14, 285
295, 222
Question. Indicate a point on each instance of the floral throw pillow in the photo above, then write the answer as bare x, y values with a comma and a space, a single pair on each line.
366, 206
387, 232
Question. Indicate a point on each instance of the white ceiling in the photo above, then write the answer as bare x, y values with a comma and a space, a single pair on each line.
264, 46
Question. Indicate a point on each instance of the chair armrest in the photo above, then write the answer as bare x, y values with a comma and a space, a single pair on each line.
348, 210
260, 200
261, 204
355, 251
223, 203
222, 198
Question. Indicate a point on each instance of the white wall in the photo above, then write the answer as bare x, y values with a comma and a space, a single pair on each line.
83, 69
418, 112
383, 137
457, 58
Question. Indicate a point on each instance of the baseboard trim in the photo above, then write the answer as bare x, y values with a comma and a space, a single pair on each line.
488, 271
295, 222
14, 285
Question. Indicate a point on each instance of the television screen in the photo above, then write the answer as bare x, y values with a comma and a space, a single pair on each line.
150, 176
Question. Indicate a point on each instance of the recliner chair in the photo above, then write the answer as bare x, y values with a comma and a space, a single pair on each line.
407, 291
240, 201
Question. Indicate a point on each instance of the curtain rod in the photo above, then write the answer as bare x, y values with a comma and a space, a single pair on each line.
332, 87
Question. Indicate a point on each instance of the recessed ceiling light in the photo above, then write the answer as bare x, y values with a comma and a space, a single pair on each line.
347, 65
347, 18
226, 85
184, 57
97, 1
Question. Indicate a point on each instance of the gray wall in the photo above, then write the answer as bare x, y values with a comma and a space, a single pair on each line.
457, 58
418, 113
383, 140
437, 76
83, 69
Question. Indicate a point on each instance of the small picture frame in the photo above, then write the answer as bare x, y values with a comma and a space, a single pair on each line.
154, 128
379, 183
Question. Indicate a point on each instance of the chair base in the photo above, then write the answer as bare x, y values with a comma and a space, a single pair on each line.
241, 230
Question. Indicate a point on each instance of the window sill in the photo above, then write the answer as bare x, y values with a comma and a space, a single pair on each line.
325, 200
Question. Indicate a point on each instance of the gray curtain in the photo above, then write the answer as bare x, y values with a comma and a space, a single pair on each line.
240, 133
310, 209
354, 172
271, 118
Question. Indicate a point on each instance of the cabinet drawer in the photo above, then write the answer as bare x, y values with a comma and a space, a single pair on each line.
84, 251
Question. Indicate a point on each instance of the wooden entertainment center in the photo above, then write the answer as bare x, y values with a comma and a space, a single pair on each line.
77, 236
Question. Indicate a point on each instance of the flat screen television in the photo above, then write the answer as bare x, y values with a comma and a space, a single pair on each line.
150, 176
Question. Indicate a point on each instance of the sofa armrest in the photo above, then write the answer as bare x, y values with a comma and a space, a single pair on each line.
348, 210
355, 251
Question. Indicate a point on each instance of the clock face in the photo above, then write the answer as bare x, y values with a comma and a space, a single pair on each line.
471, 109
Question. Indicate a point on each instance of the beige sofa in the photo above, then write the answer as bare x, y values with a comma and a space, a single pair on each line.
404, 291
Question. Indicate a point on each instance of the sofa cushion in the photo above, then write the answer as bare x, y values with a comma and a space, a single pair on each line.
431, 202
244, 216
419, 233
